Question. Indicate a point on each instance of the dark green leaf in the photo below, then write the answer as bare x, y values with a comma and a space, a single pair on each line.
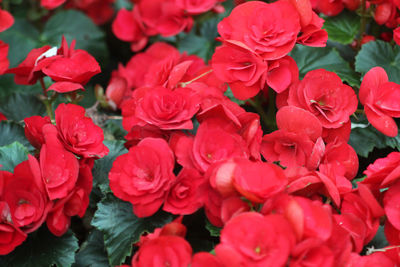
43, 249
11, 155
121, 228
342, 28
123, 4
92, 252
8, 87
379, 53
209, 30
114, 128
311, 58
364, 140
345, 51
76, 25
103, 166
22, 37
194, 45
20, 106
11, 132
201, 40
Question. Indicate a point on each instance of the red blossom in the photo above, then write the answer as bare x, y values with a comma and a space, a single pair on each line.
164, 250
380, 98
144, 175
270, 37
251, 239
323, 94
78, 133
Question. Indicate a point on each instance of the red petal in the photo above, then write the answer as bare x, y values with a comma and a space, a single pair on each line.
6, 20
65, 87
382, 122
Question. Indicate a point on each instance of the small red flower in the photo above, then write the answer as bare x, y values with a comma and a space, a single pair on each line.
323, 94
78, 133
250, 239
59, 173
381, 100
241, 68
270, 37
186, 194
144, 175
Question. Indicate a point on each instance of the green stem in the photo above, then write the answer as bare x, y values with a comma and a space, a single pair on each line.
43, 87
363, 23
49, 109
47, 101
183, 84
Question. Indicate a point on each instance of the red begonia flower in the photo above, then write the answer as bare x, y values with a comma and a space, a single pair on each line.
381, 100
78, 133
144, 175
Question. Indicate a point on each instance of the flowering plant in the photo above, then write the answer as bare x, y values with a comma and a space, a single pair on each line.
199, 133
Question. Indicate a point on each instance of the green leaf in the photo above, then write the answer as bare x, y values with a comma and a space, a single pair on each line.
20, 106
76, 25
214, 230
43, 249
12, 155
311, 58
365, 138
201, 40
115, 129
22, 37
379, 53
92, 252
194, 45
342, 28
123, 4
121, 228
11, 132
209, 29
103, 166
8, 87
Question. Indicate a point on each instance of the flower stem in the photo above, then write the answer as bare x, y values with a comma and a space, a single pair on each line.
183, 84
49, 109
47, 101
43, 87
363, 23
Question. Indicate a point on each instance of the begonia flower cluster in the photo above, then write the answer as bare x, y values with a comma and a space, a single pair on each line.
55, 185
69, 68
284, 198
296, 232
280, 187
383, 13
159, 17
254, 54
